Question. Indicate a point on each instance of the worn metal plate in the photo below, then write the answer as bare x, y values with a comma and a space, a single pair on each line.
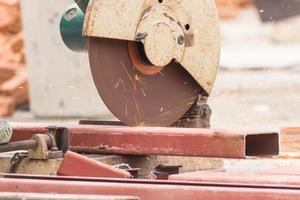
240, 178
135, 98
51, 196
149, 189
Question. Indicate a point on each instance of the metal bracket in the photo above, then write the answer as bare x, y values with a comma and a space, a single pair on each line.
43, 146
50, 145
197, 117
61, 137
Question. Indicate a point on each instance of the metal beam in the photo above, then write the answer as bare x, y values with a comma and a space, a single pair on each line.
51, 196
172, 141
241, 178
149, 189
25, 131
166, 141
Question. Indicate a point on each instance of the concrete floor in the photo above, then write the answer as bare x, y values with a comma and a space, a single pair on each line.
256, 99
246, 99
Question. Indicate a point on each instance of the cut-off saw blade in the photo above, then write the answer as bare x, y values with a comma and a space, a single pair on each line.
136, 98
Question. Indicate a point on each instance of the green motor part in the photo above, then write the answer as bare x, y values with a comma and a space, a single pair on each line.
71, 26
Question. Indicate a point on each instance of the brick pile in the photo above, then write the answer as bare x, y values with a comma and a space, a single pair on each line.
229, 9
13, 78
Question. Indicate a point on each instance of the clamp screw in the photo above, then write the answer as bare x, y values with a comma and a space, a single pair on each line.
205, 111
141, 36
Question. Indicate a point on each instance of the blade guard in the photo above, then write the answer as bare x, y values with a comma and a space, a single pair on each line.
198, 19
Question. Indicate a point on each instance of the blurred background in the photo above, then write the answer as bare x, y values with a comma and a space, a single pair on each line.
257, 86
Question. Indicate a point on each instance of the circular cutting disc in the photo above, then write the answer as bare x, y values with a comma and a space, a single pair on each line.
135, 98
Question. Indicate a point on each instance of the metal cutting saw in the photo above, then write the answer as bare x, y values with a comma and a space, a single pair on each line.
151, 60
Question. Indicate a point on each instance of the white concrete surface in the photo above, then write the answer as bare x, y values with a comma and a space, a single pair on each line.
249, 43
265, 100
259, 165
60, 81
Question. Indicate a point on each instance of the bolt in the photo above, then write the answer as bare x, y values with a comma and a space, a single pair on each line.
141, 36
181, 40
70, 14
205, 111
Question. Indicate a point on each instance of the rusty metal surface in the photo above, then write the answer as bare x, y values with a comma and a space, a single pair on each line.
276, 181
25, 131
50, 196
290, 140
149, 189
75, 164
168, 141
133, 97
239, 178
173, 141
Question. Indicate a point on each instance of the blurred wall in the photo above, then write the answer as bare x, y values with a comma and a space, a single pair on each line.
60, 80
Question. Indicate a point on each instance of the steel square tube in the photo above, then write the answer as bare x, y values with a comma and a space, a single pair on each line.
124, 140
173, 141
